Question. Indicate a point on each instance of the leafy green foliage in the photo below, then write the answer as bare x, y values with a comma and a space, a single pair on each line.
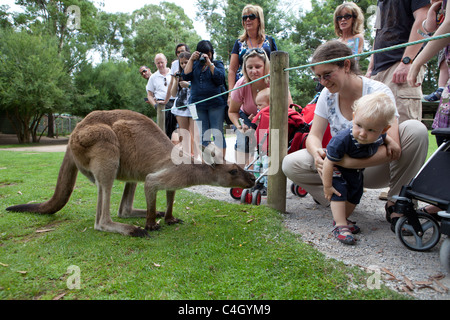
110, 85
159, 28
32, 80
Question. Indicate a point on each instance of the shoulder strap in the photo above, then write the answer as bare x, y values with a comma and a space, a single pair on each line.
272, 46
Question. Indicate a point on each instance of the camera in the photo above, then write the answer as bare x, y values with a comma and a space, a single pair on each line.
202, 60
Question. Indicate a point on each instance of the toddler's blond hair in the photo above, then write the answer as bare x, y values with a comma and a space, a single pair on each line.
376, 105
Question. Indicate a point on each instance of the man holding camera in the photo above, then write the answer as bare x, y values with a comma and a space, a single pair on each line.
157, 87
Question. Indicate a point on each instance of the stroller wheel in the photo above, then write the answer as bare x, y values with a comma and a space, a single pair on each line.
293, 185
246, 196
299, 191
445, 254
235, 193
430, 237
256, 197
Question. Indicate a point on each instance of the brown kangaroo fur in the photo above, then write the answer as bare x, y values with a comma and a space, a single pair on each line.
128, 146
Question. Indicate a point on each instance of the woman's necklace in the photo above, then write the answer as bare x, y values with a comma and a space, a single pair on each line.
251, 44
259, 88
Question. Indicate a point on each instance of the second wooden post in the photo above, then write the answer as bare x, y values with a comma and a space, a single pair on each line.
278, 134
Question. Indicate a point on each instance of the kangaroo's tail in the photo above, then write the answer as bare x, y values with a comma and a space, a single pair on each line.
64, 187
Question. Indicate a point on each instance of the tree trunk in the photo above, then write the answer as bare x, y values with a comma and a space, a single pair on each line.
51, 131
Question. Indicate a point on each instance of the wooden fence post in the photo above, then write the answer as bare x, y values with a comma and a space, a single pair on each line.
278, 134
161, 116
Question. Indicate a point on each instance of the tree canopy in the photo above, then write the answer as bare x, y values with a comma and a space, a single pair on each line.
32, 81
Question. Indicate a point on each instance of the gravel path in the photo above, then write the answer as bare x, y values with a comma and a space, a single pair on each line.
378, 251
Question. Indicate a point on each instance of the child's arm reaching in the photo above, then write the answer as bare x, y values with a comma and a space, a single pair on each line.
393, 150
327, 179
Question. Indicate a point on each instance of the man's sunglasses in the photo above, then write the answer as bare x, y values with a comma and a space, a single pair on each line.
250, 16
345, 17
144, 71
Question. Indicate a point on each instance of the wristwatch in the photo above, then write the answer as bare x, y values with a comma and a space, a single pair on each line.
406, 60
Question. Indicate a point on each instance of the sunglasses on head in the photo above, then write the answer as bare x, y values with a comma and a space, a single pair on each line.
345, 17
256, 50
250, 16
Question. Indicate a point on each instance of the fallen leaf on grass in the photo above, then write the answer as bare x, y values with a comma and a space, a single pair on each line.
156, 265
59, 296
248, 221
44, 230
22, 272
4, 264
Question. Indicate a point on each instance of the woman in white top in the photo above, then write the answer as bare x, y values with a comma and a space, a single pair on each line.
343, 86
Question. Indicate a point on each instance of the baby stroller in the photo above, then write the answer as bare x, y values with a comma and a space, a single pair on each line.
421, 231
300, 140
297, 127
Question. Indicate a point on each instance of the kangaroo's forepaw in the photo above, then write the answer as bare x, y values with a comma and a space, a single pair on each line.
174, 221
152, 226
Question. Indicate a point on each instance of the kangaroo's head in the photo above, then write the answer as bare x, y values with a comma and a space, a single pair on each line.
232, 175
226, 174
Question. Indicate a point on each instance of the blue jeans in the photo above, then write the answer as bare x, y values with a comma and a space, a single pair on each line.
210, 123
246, 143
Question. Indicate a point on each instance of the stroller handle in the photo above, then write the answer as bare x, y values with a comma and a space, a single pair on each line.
441, 132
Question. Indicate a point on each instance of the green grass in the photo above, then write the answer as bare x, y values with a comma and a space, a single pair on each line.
432, 145
222, 251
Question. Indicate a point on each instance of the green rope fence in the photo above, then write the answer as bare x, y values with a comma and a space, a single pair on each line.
398, 46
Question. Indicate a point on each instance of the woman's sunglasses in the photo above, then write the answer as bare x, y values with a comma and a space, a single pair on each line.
255, 50
345, 17
250, 16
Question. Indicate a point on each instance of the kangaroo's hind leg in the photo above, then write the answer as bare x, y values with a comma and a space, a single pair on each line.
104, 166
103, 220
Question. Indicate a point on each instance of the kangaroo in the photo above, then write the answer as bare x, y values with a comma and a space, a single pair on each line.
128, 146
